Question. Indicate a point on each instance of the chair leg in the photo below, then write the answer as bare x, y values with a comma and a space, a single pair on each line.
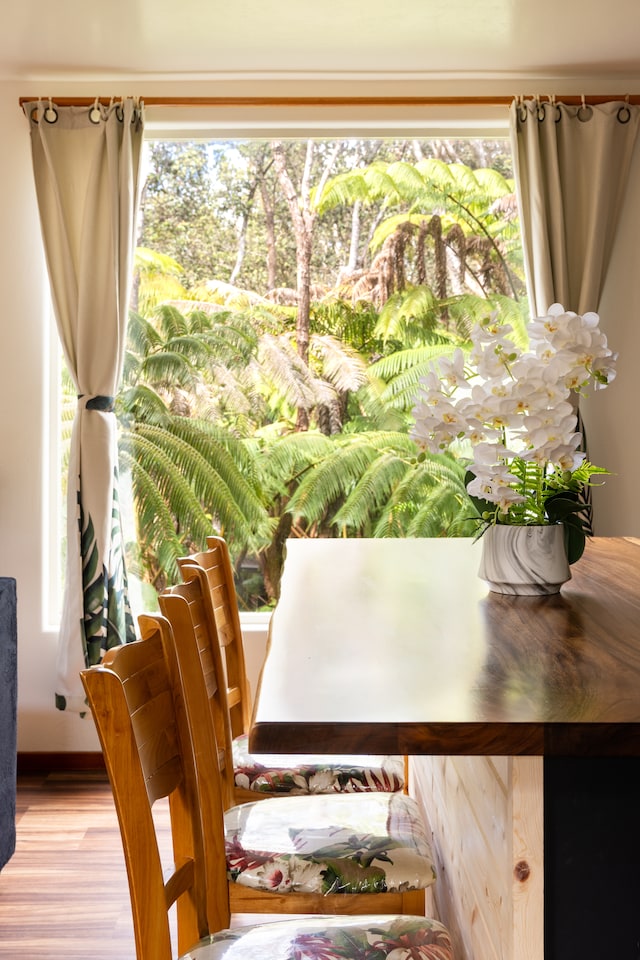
414, 903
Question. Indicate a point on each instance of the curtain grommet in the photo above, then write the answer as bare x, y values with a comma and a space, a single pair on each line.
50, 115
95, 114
584, 113
624, 114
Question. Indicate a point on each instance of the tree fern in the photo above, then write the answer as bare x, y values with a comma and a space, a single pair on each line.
410, 316
331, 479
362, 475
404, 370
159, 545
370, 493
213, 481
431, 500
283, 459
190, 515
230, 460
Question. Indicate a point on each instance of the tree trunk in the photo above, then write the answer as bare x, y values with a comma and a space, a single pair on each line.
270, 228
272, 557
354, 244
303, 281
242, 235
303, 218
242, 246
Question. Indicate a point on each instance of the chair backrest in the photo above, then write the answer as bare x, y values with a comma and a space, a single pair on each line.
213, 567
136, 701
202, 676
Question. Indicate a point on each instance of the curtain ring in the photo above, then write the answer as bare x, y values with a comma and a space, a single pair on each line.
624, 114
50, 114
585, 112
95, 115
541, 111
120, 111
558, 116
522, 112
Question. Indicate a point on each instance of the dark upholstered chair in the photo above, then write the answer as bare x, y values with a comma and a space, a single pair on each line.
8, 684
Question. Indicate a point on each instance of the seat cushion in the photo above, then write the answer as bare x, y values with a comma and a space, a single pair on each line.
328, 937
340, 843
314, 774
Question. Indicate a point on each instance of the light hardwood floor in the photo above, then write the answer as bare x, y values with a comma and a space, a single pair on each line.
64, 894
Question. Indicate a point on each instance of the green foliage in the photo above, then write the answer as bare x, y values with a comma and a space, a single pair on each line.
399, 372
356, 324
176, 204
375, 484
213, 381
468, 210
552, 496
186, 482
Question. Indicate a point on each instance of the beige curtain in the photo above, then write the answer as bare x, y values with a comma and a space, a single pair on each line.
86, 163
571, 169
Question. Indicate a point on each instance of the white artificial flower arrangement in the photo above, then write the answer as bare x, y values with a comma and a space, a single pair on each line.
513, 410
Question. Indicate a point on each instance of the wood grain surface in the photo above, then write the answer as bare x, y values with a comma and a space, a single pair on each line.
397, 646
64, 893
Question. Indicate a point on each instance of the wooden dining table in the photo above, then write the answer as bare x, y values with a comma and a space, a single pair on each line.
397, 646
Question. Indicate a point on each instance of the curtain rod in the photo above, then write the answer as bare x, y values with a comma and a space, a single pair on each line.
322, 101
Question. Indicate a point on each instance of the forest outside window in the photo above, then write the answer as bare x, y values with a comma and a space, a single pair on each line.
288, 294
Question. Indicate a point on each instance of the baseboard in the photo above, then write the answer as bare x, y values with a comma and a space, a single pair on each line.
59, 762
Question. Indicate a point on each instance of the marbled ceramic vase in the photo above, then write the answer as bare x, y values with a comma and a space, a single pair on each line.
524, 561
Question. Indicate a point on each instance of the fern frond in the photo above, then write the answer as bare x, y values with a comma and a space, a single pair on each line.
371, 492
285, 369
343, 366
330, 480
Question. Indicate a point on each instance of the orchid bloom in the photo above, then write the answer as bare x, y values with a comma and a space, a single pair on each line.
513, 407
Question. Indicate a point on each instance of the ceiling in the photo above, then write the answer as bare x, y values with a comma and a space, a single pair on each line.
362, 39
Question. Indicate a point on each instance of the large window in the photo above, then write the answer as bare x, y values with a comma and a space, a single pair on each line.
288, 295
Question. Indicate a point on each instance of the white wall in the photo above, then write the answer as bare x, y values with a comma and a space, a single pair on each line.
22, 401
611, 416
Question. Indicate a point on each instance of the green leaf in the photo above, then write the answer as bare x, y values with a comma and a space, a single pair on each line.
574, 538
562, 505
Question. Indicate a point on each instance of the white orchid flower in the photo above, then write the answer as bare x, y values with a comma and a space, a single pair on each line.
452, 371
512, 407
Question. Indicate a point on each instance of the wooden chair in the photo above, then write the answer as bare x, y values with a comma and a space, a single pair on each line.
136, 702
340, 853
263, 776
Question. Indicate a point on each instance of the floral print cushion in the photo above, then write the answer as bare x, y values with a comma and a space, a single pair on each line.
314, 774
343, 843
331, 938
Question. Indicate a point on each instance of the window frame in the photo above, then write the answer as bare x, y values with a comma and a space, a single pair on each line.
229, 120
